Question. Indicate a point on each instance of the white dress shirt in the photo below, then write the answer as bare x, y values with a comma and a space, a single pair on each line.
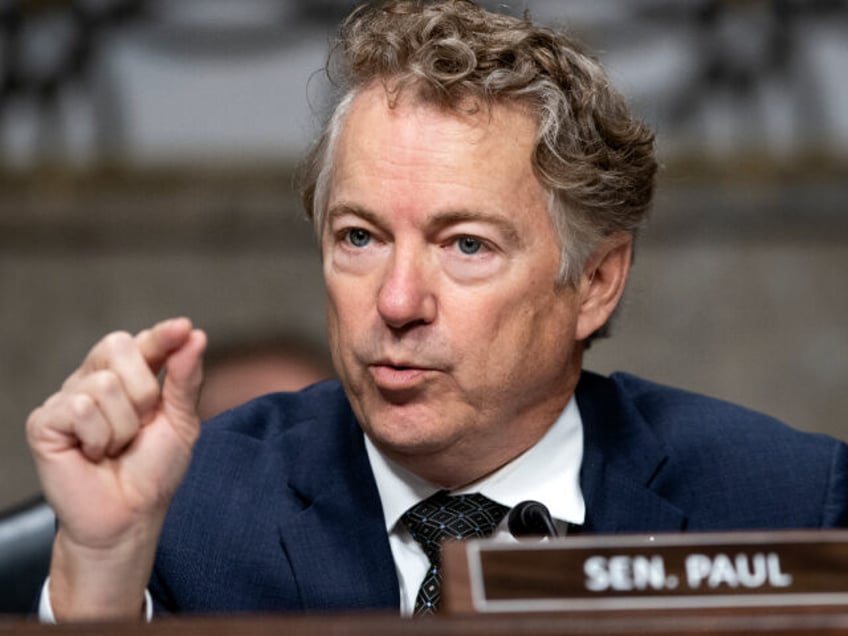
548, 472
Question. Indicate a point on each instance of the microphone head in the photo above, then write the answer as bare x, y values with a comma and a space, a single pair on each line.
531, 519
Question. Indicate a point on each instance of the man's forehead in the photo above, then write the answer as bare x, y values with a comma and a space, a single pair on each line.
415, 136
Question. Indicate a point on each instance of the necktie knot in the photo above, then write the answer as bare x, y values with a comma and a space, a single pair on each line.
445, 516
441, 517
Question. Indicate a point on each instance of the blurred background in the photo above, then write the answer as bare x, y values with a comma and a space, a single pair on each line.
148, 152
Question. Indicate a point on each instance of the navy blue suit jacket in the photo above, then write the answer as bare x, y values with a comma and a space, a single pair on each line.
279, 510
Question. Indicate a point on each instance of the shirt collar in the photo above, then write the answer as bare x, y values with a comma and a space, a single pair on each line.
528, 476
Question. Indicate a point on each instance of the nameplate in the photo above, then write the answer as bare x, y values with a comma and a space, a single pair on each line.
631, 572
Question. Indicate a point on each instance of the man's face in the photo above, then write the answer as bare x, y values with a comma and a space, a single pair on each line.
450, 335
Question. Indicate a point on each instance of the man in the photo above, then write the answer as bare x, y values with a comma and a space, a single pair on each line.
475, 192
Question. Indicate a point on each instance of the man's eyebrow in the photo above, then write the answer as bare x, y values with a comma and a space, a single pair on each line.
438, 222
446, 219
340, 209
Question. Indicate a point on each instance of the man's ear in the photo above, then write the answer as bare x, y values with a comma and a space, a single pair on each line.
602, 282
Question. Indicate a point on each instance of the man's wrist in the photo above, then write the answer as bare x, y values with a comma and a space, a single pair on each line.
94, 584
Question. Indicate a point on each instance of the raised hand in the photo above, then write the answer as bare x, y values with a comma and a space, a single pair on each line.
111, 447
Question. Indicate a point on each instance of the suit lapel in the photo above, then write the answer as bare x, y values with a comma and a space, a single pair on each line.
336, 542
622, 459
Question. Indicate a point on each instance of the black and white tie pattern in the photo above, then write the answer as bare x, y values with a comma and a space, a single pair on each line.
441, 517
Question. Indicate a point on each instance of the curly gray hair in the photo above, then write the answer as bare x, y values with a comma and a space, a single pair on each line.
594, 158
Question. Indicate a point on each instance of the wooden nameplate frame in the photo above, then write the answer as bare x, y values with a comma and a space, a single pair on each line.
746, 571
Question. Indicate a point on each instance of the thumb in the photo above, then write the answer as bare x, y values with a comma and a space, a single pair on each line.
181, 387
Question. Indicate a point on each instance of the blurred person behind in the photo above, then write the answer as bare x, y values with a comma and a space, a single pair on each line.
248, 368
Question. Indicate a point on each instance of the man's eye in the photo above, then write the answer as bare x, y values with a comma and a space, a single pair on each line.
359, 237
469, 245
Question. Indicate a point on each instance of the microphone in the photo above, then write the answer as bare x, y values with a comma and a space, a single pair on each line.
531, 519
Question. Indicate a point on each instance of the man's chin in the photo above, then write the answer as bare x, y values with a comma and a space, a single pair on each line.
407, 430
402, 447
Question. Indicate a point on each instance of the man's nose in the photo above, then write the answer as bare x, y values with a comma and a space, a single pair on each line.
407, 296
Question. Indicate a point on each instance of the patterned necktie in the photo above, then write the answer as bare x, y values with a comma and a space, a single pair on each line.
441, 517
